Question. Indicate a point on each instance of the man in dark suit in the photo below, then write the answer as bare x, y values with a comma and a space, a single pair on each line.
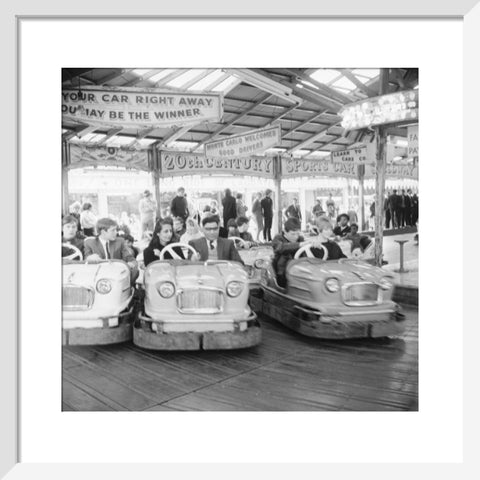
212, 246
179, 205
267, 213
394, 201
107, 245
408, 208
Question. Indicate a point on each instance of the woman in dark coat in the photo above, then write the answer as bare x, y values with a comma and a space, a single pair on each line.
162, 236
229, 207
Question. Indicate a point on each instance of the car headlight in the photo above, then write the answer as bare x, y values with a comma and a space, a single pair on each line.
234, 289
332, 285
166, 289
386, 283
104, 286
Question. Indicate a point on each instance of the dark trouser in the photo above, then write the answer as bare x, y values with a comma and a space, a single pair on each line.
267, 227
408, 216
387, 218
398, 216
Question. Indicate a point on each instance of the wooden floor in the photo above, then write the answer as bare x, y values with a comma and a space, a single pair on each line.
285, 372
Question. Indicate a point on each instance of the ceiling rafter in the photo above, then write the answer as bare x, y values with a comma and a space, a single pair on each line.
347, 73
199, 77
325, 90
217, 82
324, 144
143, 78
305, 122
171, 76
111, 133
175, 135
312, 138
113, 76
231, 122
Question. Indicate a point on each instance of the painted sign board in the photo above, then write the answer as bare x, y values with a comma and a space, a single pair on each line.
140, 108
246, 144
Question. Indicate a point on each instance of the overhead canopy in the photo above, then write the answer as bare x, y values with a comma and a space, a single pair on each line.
304, 102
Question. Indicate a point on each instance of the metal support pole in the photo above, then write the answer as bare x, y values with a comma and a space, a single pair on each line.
65, 164
278, 193
361, 202
381, 164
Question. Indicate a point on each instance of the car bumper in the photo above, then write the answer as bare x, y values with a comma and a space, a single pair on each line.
363, 323
150, 335
97, 331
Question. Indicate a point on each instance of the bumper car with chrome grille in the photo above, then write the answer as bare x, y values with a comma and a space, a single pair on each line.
196, 305
332, 299
97, 303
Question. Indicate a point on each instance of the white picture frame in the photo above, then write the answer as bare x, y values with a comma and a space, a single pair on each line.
11, 18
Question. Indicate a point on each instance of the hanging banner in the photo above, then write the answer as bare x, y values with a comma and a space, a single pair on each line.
140, 108
358, 156
178, 163
298, 167
91, 156
395, 171
412, 137
246, 144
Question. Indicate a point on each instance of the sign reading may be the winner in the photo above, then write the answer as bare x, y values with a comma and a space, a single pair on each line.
147, 108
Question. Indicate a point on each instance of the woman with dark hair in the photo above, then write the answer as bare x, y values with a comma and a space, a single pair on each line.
88, 220
241, 207
229, 207
162, 236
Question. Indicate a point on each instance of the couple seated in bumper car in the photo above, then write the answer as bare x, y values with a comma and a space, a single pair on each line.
98, 277
312, 287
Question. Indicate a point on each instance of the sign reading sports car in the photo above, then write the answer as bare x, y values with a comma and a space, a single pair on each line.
299, 167
137, 108
246, 144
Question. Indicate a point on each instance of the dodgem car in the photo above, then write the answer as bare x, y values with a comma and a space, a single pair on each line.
195, 305
96, 302
252, 257
344, 298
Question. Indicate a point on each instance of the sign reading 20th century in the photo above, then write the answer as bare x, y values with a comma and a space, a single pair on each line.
133, 107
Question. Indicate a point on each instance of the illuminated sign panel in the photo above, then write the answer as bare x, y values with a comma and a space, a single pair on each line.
392, 108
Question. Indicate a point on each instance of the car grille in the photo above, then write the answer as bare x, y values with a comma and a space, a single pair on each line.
200, 301
359, 294
77, 298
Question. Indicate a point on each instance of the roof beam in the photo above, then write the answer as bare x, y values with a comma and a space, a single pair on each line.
175, 135
111, 133
231, 122
217, 82
306, 122
142, 78
324, 144
71, 73
311, 139
328, 92
360, 85
171, 76
141, 134
113, 76
199, 77
86, 130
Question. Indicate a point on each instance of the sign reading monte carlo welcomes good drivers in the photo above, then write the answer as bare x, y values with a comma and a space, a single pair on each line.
246, 144
140, 108
178, 163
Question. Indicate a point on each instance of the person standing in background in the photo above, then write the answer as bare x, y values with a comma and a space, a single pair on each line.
403, 209
147, 208
74, 210
293, 210
386, 211
241, 207
257, 214
408, 208
179, 205
229, 207
88, 220
267, 213
414, 209
394, 202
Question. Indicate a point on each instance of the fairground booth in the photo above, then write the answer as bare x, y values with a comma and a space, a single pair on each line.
345, 135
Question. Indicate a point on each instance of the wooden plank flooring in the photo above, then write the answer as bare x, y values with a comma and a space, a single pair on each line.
285, 372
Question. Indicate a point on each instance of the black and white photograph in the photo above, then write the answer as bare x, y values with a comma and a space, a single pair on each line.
240, 239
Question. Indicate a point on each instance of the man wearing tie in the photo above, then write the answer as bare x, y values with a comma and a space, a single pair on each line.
213, 247
108, 246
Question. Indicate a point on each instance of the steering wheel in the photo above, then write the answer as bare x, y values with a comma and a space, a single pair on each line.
307, 249
76, 252
242, 242
169, 248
